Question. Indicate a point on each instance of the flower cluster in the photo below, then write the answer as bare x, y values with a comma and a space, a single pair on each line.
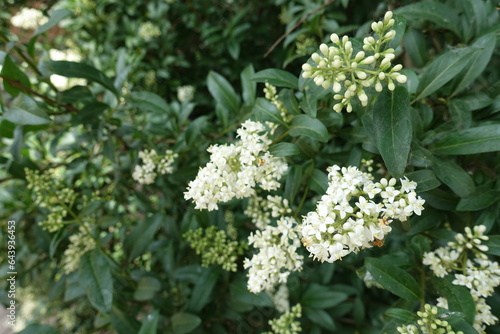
277, 256
52, 194
234, 170
261, 210
356, 213
28, 19
80, 243
271, 94
148, 31
479, 274
427, 323
214, 247
146, 173
287, 323
185, 93
349, 74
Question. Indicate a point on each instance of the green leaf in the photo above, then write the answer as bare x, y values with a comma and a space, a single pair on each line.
150, 323
402, 314
481, 199
149, 103
183, 323
318, 296
458, 297
425, 178
443, 69
78, 70
318, 181
454, 177
470, 141
96, 280
493, 244
248, 86
25, 111
123, 323
54, 19
304, 125
264, 110
415, 45
38, 329
203, 289
11, 71
284, 149
393, 278
461, 114
320, 317
147, 288
293, 181
222, 92
475, 16
141, 236
459, 324
441, 15
277, 77
479, 60
393, 128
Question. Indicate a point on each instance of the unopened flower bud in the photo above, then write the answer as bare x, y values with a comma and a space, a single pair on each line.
334, 38
401, 78
316, 57
307, 67
387, 16
390, 34
367, 60
324, 49
337, 87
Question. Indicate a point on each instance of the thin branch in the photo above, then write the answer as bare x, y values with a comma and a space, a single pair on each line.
305, 17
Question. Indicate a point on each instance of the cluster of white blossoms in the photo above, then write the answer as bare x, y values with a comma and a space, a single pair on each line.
28, 19
479, 274
262, 210
148, 31
235, 170
185, 93
349, 74
356, 213
80, 243
277, 256
153, 164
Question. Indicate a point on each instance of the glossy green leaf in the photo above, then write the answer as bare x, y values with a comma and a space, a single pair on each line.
393, 278
393, 129
460, 325
73, 288
402, 314
438, 13
54, 19
148, 102
318, 181
320, 317
183, 323
203, 289
293, 181
38, 329
442, 69
150, 323
481, 199
460, 113
96, 280
248, 86
138, 240
425, 179
416, 46
479, 60
222, 92
476, 17
25, 111
277, 77
470, 141
319, 296
458, 297
79, 70
493, 244
147, 288
123, 323
304, 125
454, 177
11, 71
284, 149
264, 110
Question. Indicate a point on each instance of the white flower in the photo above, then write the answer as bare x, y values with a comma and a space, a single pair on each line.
185, 93
145, 173
28, 19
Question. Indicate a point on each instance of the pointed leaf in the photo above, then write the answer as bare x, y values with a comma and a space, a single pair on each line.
402, 314
150, 323
318, 296
493, 244
54, 19
141, 236
222, 92
203, 289
284, 149
425, 178
264, 110
96, 280
393, 128
470, 141
183, 323
304, 125
393, 278
147, 288
277, 77
454, 177
458, 297
248, 86
25, 111
149, 102
11, 71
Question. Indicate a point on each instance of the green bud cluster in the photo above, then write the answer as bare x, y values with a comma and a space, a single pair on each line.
271, 94
287, 323
349, 74
428, 323
215, 248
80, 243
51, 193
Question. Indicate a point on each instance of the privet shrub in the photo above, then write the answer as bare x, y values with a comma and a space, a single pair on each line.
347, 182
